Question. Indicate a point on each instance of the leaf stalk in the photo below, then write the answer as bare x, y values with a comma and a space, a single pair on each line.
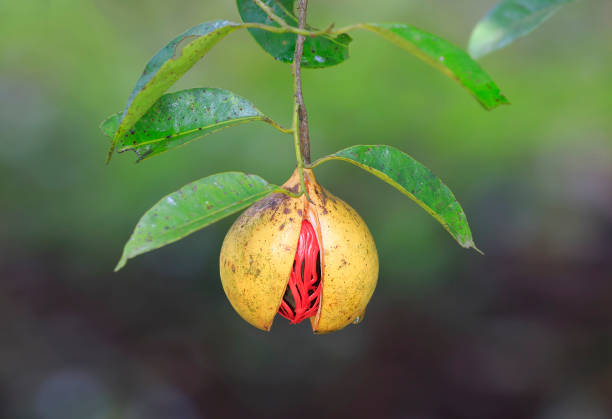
285, 27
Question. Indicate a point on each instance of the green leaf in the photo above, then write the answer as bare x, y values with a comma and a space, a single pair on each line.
181, 117
320, 51
167, 66
413, 180
449, 59
509, 20
192, 208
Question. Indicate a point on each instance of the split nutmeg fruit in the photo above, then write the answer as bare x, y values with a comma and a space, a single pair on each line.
300, 259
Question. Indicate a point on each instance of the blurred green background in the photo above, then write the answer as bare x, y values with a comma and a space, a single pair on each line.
523, 332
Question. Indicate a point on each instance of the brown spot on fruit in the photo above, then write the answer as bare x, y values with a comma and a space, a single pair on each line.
294, 188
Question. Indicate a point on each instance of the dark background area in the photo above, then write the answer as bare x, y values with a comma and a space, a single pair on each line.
523, 332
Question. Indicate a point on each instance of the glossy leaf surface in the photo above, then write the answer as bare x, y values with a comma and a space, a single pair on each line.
413, 180
167, 66
320, 51
446, 57
192, 208
178, 118
509, 20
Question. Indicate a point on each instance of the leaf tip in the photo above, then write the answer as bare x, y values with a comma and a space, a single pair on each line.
498, 101
110, 152
121, 263
471, 245
503, 100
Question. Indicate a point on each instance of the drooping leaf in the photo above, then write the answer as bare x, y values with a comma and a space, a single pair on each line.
167, 66
181, 117
413, 180
192, 208
320, 51
446, 57
509, 20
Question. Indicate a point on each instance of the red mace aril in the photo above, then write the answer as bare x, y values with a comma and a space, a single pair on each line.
303, 294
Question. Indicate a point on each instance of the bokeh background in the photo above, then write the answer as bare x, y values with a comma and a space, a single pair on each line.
523, 332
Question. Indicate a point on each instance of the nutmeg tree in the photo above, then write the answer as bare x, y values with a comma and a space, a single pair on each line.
298, 251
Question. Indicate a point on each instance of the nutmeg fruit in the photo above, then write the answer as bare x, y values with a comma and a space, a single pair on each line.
300, 259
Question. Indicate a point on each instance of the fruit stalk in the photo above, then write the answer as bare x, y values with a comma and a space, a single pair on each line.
302, 114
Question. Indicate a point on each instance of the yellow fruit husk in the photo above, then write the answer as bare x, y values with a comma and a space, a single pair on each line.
350, 269
258, 252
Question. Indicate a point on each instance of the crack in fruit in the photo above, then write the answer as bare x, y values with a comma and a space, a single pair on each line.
303, 294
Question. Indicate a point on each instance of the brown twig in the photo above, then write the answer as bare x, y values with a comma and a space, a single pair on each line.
297, 71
